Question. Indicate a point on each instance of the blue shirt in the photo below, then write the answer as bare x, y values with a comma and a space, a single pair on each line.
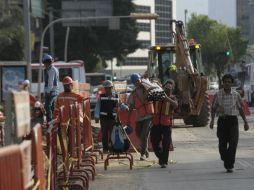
51, 79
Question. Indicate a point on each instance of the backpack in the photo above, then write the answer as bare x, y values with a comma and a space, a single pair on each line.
119, 140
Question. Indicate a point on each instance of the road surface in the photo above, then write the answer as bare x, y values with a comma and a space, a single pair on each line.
195, 165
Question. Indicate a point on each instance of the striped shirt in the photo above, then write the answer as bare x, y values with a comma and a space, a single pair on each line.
227, 103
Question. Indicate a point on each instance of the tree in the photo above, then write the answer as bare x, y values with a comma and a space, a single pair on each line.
11, 36
221, 45
95, 45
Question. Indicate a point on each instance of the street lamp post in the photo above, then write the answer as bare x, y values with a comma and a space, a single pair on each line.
143, 16
27, 41
185, 16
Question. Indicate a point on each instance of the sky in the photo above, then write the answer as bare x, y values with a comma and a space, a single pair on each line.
198, 6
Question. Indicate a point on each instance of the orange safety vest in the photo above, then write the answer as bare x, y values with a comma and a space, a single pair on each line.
143, 108
162, 113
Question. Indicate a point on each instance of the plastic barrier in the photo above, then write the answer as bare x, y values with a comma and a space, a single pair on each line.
82, 162
66, 177
123, 116
11, 161
52, 154
38, 157
246, 108
87, 128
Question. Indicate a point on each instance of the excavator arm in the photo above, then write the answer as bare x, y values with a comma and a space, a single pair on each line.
183, 61
191, 85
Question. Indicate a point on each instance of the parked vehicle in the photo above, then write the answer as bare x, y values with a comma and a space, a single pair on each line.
96, 79
74, 69
249, 84
213, 86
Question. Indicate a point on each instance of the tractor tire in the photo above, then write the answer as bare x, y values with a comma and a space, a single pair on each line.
203, 118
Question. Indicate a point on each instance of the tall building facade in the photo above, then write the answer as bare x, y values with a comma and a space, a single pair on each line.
243, 17
151, 32
245, 20
251, 21
162, 25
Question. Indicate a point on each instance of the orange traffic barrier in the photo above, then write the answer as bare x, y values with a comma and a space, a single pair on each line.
67, 177
52, 155
38, 157
87, 131
83, 162
87, 127
11, 161
246, 108
123, 116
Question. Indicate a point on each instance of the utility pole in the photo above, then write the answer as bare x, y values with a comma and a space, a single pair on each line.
51, 33
66, 44
112, 69
27, 41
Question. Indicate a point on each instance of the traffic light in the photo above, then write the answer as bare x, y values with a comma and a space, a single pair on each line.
227, 53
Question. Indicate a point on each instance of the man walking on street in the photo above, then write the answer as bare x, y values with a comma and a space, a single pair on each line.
144, 111
162, 124
51, 85
228, 104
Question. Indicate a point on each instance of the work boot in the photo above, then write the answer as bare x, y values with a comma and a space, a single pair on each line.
147, 154
142, 157
230, 170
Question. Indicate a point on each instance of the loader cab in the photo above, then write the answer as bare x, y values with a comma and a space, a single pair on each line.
162, 61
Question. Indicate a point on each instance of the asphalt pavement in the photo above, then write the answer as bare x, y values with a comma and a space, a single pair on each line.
194, 165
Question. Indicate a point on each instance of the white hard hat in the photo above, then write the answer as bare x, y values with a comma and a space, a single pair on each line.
37, 104
107, 84
26, 82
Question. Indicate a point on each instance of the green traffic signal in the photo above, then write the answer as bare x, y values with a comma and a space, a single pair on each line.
227, 53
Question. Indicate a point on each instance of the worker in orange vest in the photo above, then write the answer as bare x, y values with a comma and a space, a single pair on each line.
144, 112
65, 99
162, 124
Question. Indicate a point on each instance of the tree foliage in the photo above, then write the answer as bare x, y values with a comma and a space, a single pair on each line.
11, 36
216, 39
97, 44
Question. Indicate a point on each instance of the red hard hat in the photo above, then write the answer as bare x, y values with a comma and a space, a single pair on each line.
67, 80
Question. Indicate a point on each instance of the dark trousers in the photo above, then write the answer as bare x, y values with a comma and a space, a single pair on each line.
161, 135
228, 133
106, 129
142, 131
49, 106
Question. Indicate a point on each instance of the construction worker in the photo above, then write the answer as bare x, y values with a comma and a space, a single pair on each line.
105, 112
162, 124
144, 112
24, 86
65, 99
51, 85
